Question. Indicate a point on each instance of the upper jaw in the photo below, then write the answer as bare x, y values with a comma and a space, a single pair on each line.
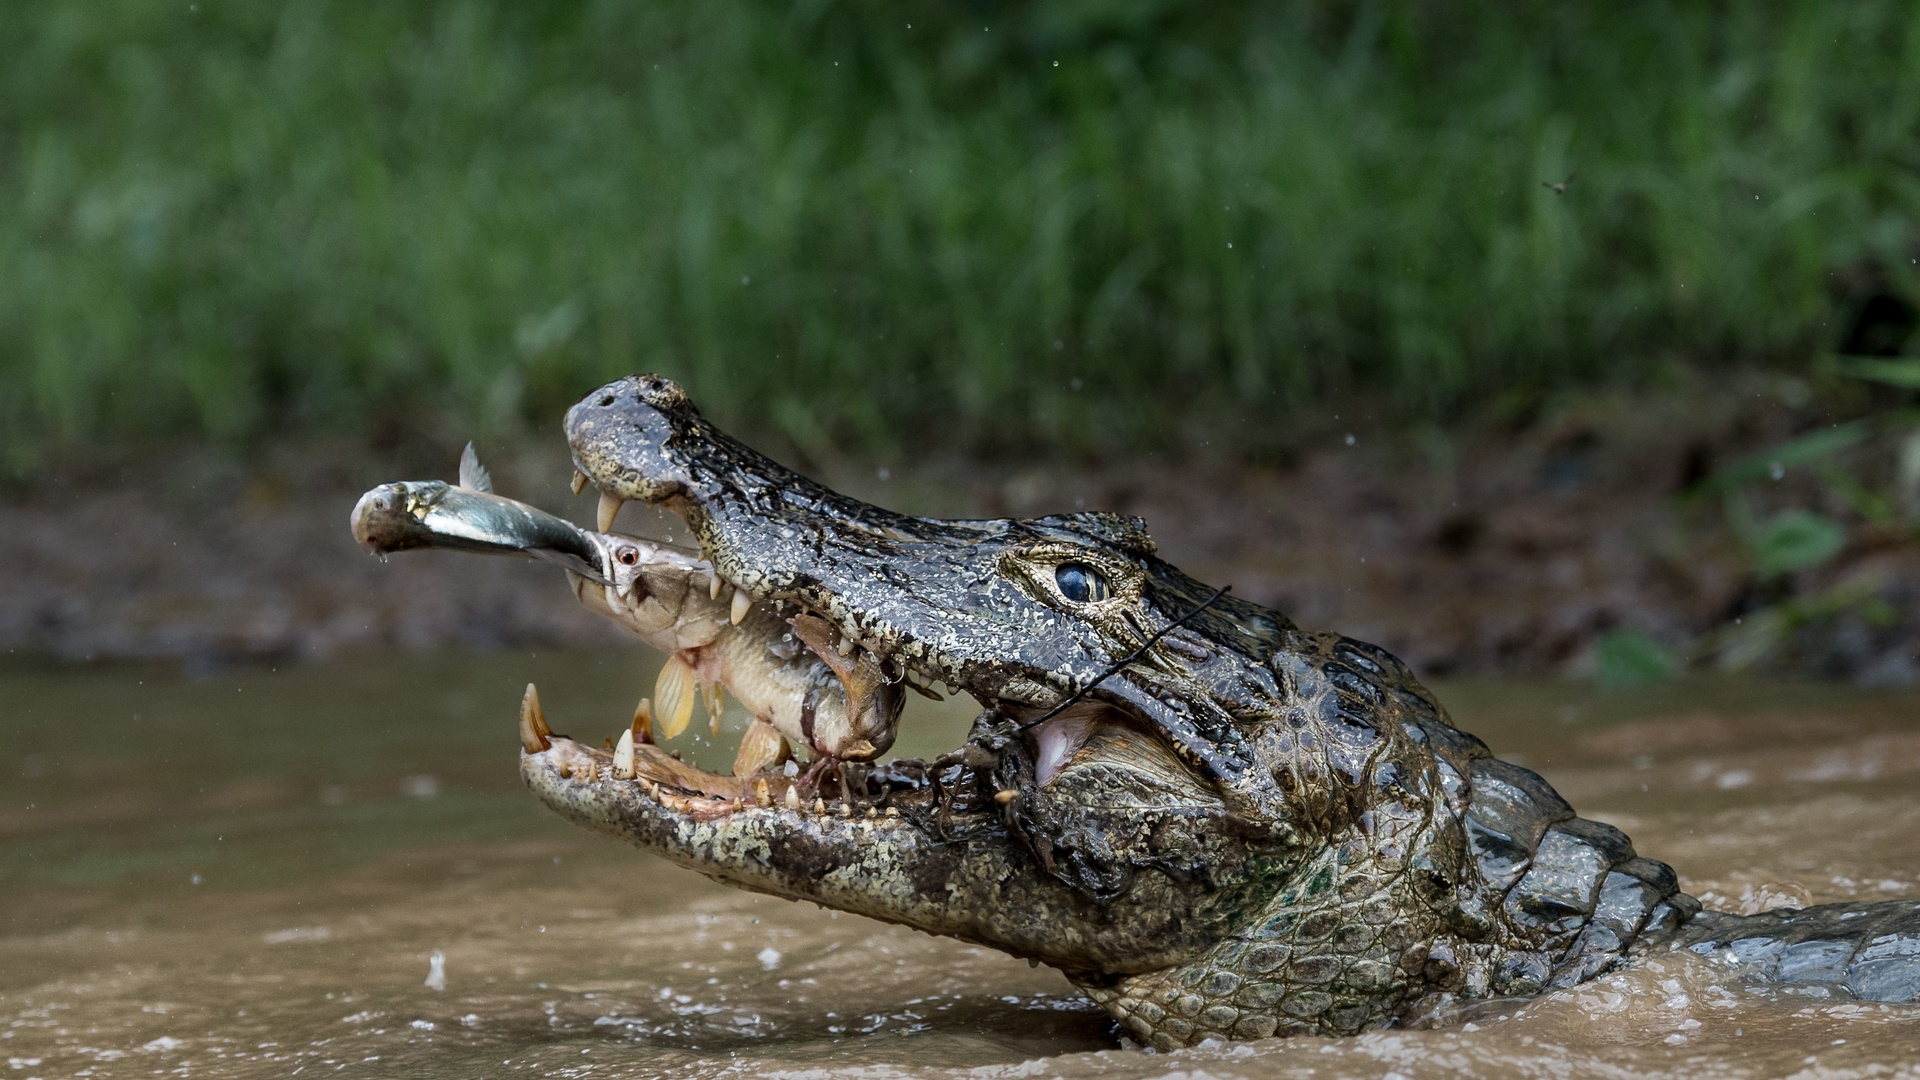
784, 538
768, 531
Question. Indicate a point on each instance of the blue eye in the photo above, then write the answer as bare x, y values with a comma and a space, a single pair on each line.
1080, 583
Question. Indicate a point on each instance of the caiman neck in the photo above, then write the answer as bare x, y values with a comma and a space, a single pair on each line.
1473, 879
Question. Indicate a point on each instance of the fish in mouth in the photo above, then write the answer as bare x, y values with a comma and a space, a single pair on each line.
1216, 824
796, 676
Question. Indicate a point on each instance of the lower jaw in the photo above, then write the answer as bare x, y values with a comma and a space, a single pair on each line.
844, 789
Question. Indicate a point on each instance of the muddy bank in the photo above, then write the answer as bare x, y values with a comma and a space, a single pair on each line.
1501, 548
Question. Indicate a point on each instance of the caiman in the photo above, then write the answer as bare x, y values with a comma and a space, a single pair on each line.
1216, 824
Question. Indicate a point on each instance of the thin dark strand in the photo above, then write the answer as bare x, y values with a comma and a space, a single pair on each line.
1128, 659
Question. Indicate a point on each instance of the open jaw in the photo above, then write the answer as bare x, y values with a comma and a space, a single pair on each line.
956, 846
801, 681
1215, 824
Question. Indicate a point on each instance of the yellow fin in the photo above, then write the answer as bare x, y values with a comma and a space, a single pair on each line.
673, 697
761, 746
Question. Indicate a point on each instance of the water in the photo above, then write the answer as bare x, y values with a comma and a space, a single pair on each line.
250, 875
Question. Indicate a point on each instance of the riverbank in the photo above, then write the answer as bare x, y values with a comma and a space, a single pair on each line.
1498, 548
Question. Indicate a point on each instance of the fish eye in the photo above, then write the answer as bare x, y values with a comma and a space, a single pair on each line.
1081, 583
627, 556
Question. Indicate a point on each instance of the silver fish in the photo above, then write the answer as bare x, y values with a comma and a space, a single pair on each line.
788, 673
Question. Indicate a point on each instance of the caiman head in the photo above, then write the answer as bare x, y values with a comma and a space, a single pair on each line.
1216, 824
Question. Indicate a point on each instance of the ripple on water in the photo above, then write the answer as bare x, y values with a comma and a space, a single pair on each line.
329, 876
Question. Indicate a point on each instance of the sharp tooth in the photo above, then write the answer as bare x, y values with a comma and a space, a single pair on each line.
793, 797
741, 602
819, 807
761, 746
761, 796
623, 756
609, 508
534, 732
715, 698
642, 725
673, 693
845, 648
713, 586
579, 480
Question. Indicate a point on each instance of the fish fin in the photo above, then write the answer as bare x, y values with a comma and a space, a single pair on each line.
673, 696
473, 475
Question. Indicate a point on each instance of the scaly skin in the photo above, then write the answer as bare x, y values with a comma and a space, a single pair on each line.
1249, 830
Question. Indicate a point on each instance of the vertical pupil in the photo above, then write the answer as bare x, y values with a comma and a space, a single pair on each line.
1075, 581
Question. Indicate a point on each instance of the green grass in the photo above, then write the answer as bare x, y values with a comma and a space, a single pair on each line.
1064, 224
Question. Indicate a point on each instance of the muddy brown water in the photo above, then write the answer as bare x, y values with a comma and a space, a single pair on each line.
250, 875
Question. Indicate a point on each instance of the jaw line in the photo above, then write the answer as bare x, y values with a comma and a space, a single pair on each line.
796, 853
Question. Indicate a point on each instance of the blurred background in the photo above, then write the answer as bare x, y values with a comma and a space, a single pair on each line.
1570, 338
1567, 350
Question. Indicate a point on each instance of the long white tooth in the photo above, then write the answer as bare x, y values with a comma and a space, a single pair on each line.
623, 756
534, 732
761, 796
642, 725
579, 482
609, 509
793, 797
845, 648
673, 697
741, 602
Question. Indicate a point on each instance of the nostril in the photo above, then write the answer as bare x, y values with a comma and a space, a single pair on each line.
605, 400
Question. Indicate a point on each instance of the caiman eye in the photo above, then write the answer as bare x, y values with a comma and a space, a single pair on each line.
627, 556
1081, 583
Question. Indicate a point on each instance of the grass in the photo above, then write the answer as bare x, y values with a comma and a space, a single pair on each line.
1063, 224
